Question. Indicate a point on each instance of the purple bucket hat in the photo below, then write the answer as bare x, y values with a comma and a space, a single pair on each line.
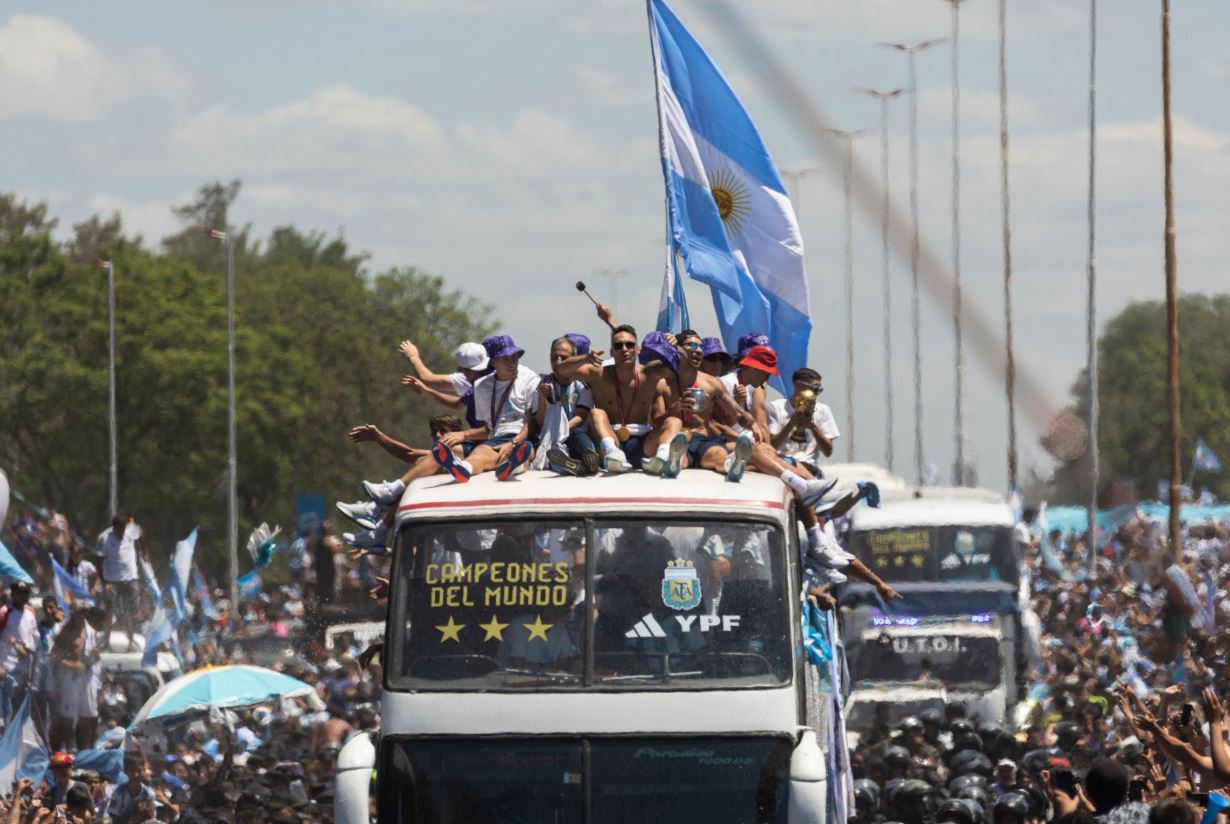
655, 346
580, 343
501, 346
749, 340
713, 346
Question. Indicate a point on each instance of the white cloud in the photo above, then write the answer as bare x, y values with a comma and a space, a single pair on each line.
50, 72
605, 89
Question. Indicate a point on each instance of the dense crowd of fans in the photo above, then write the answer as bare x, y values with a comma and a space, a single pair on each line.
1125, 721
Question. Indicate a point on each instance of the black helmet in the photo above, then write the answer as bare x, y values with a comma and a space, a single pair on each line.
976, 763
1035, 761
978, 795
1011, 804
960, 811
910, 725
890, 789
960, 725
1038, 802
933, 716
912, 803
967, 741
897, 756
967, 780
866, 792
1066, 735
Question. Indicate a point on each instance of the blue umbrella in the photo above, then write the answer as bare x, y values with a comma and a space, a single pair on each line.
221, 688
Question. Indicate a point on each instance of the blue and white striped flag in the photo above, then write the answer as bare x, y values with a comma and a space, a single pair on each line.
22, 752
70, 592
1205, 459
730, 219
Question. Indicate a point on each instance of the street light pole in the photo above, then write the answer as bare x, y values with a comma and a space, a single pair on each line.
1091, 329
614, 276
915, 301
959, 418
232, 462
884, 97
847, 138
115, 462
1006, 215
794, 176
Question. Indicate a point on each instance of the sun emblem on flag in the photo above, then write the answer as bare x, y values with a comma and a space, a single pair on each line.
734, 201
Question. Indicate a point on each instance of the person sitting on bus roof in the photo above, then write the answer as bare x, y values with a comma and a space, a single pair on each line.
503, 403
716, 361
562, 407
472, 363
747, 383
826, 561
628, 418
803, 429
376, 514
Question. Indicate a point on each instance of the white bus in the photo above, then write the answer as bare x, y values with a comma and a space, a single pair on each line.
619, 648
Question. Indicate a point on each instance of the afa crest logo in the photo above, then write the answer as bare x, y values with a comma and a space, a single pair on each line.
680, 585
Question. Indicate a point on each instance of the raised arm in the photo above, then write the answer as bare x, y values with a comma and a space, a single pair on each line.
369, 433
441, 383
448, 401
604, 315
584, 367
1215, 712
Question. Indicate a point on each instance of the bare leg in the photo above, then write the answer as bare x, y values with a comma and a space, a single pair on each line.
600, 425
714, 459
662, 433
483, 459
424, 468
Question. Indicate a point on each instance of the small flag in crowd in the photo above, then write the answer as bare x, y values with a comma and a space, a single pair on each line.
262, 544
70, 592
22, 753
10, 570
1205, 459
249, 585
202, 594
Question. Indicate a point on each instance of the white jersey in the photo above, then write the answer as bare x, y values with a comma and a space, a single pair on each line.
729, 381
514, 402
779, 412
21, 628
119, 555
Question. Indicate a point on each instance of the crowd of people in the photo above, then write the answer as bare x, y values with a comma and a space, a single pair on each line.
70, 662
1125, 721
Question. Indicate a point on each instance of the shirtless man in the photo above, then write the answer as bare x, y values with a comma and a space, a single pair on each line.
629, 417
706, 448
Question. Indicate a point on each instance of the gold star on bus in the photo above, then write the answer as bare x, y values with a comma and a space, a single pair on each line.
917, 560
538, 629
494, 629
899, 561
450, 631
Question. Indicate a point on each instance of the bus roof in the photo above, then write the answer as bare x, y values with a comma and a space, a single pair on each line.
548, 492
935, 506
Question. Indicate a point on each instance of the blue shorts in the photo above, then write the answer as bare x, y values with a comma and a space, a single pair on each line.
699, 444
634, 450
496, 442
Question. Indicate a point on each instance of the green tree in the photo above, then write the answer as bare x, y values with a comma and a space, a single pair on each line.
1133, 420
316, 353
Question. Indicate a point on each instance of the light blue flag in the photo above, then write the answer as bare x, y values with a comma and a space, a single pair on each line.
1205, 459
249, 585
202, 594
22, 752
730, 219
10, 570
70, 593
180, 575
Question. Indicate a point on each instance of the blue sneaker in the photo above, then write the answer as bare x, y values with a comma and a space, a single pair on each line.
740, 457
520, 454
871, 493
449, 463
674, 460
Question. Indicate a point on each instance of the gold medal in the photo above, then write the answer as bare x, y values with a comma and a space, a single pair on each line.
623, 433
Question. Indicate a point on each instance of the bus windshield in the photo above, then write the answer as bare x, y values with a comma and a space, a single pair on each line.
613, 603
951, 553
946, 658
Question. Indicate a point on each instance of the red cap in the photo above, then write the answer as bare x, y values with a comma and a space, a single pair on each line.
61, 759
762, 358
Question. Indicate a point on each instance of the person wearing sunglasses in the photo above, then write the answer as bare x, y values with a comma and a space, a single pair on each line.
802, 428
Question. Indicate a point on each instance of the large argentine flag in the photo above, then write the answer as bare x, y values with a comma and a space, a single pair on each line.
730, 219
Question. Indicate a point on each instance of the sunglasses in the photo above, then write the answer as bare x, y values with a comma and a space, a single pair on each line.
694, 345
623, 344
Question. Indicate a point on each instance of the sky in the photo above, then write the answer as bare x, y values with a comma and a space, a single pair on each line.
510, 147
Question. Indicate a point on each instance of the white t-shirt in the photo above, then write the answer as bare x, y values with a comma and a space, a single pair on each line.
779, 412
461, 384
572, 396
518, 401
119, 555
22, 630
730, 380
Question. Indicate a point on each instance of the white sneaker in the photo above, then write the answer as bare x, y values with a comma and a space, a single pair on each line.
829, 553
674, 461
368, 538
616, 461
817, 488
383, 493
652, 465
364, 513
740, 457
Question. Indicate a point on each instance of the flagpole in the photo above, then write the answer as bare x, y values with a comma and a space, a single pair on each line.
112, 437
884, 97
1006, 211
1172, 301
232, 461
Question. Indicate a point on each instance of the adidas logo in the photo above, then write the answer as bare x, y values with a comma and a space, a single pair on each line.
647, 627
